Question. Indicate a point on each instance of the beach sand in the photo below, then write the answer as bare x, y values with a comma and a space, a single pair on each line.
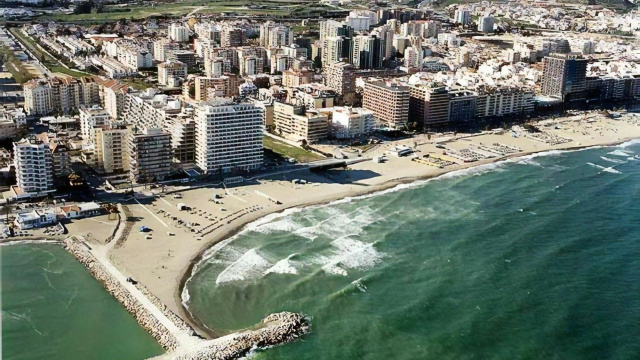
163, 262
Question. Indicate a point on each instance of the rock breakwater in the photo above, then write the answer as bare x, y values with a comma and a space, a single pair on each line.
275, 329
115, 288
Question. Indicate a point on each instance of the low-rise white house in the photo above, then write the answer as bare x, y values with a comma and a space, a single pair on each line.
35, 219
79, 210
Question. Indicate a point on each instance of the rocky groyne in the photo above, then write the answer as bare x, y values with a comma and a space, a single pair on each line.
115, 288
275, 329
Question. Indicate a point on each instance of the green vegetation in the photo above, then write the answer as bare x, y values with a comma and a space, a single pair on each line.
133, 12
35, 49
138, 84
289, 151
20, 74
47, 60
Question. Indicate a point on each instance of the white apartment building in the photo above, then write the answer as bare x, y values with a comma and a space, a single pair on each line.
91, 117
162, 47
34, 168
272, 35
171, 69
228, 136
37, 97
350, 122
113, 97
178, 32
135, 57
149, 110
359, 23
75, 45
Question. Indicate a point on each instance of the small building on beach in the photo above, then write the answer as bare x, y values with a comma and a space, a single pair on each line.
35, 219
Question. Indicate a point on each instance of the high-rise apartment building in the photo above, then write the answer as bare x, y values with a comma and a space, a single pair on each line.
462, 16
462, 106
275, 35
111, 148
90, 117
150, 155
368, 52
228, 136
178, 32
429, 104
63, 94
34, 167
37, 97
389, 103
348, 122
485, 24
340, 77
564, 76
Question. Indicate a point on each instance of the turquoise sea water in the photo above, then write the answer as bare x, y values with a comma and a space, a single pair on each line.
537, 258
52, 308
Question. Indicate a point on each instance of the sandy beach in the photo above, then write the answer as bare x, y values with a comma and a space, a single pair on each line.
163, 259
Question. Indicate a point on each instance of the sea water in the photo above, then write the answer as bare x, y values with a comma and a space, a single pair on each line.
535, 258
52, 308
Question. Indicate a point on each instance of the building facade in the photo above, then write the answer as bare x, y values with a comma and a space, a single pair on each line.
228, 136
150, 155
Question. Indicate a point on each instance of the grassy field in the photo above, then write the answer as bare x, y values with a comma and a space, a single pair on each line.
113, 13
289, 151
47, 60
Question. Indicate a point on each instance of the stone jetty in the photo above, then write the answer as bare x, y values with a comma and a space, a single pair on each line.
275, 329
115, 288
174, 334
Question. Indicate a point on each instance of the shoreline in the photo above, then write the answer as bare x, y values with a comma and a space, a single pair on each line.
187, 272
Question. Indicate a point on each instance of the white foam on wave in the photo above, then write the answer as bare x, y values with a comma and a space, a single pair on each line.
611, 170
340, 223
620, 153
249, 265
615, 161
359, 285
629, 143
418, 183
530, 162
349, 253
283, 266
605, 169
596, 166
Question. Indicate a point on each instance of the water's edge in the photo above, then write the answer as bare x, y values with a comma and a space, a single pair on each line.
182, 295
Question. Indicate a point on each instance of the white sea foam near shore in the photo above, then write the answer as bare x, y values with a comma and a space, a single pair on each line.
284, 266
250, 265
356, 256
615, 161
620, 153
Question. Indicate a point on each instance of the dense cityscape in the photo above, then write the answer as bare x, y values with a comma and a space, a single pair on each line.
109, 106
